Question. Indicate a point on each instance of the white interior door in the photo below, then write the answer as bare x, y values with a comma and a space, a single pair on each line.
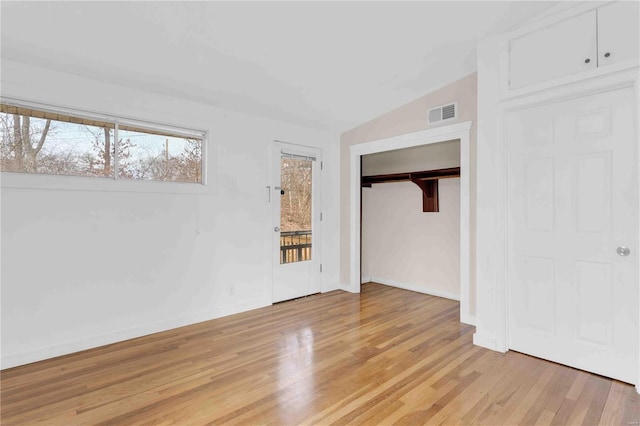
296, 221
573, 218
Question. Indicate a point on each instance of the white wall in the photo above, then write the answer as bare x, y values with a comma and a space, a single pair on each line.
405, 247
402, 245
490, 235
82, 268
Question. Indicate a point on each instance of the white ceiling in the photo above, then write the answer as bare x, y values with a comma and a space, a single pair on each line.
328, 65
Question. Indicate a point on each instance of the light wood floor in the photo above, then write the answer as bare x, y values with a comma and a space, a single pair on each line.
387, 356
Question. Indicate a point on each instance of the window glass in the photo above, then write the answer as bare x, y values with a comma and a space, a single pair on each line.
44, 142
31, 144
295, 210
153, 156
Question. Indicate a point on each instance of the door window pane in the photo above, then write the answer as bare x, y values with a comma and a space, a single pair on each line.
295, 210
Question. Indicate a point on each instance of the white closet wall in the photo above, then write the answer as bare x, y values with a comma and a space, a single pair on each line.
401, 245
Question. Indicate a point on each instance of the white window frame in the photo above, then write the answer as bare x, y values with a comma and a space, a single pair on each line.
115, 184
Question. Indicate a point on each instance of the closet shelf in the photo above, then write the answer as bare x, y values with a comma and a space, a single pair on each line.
426, 180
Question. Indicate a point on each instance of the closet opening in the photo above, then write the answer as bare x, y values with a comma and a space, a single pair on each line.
383, 234
410, 220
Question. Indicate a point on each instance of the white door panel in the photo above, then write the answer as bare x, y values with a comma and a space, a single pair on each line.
572, 188
555, 51
618, 33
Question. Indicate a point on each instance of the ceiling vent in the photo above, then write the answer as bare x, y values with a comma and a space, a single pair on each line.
443, 113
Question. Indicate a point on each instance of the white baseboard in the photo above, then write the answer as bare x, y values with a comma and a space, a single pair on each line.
346, 287
416, 288
365, 280
485, 341
328, 288
65, 348
468, 319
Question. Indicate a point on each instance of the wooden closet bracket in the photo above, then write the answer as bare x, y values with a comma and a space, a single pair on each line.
426, 180
429, 194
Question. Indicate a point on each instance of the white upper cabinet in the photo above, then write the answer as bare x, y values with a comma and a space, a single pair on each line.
618, 32
564, 48
592, 39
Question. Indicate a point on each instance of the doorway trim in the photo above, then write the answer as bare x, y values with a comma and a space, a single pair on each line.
459, 131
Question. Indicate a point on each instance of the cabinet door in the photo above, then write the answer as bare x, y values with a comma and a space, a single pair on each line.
561, 49
617, 32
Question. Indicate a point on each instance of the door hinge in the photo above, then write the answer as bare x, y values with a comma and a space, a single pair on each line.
321, 267
320, 216
321, 165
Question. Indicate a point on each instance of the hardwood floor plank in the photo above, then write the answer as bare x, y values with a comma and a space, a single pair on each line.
621, 407
551, 397
385, 356
602, 388
469, 403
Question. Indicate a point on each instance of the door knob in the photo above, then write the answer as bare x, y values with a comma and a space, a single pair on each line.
276, 229
623, 251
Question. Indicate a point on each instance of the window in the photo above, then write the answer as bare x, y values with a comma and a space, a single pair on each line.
39, 141
296, 175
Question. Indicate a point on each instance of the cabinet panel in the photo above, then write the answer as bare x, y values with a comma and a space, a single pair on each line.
618, 33
561, 49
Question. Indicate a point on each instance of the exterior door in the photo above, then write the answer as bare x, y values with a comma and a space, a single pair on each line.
573, 227
296, 221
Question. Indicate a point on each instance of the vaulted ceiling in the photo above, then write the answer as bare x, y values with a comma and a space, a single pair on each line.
328, 65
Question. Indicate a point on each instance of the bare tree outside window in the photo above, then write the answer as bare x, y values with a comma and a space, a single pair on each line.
46, 146
40, 142
159, 157
295, 203
295, 210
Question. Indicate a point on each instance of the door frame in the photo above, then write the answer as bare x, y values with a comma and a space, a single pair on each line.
460, 131
497, 337
312, 151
